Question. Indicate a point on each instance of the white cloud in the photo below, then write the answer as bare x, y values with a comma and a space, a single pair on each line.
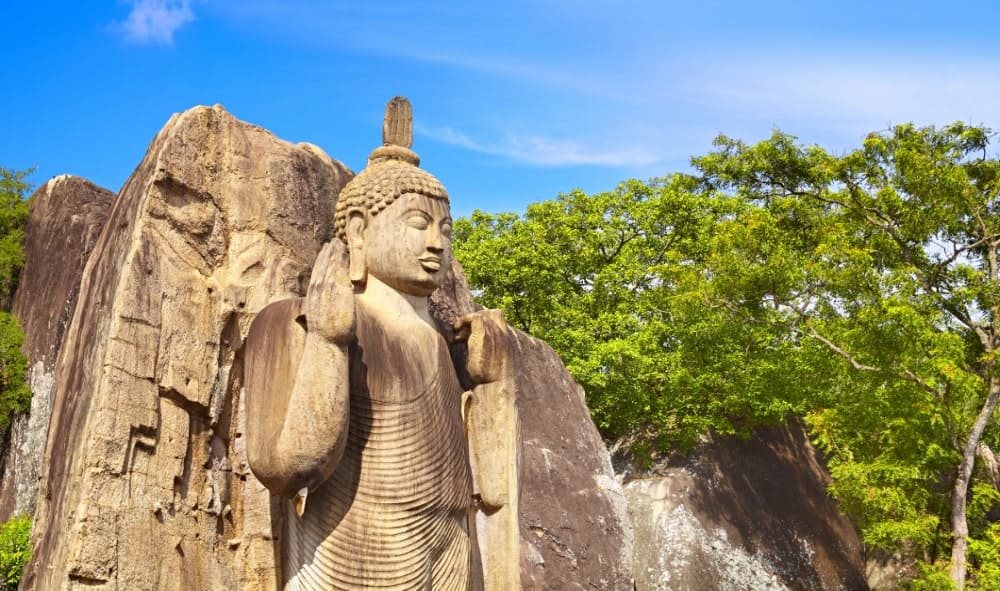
155, 21
537, 150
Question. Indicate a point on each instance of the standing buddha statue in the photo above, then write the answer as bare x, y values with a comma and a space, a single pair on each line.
355, 412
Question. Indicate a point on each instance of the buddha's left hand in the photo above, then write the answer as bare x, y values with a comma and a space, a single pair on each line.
490, 345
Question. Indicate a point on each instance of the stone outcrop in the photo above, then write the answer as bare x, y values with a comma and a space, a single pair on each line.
66, 215
575, 530
737, 515
146, 484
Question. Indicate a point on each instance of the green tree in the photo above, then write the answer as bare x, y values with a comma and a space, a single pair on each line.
15, 397
889, 257
860, 291
13, 215
617, 283
15, 551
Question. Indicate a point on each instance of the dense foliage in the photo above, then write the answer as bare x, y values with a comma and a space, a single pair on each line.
15, 551
15, 397
615, 282
861, 292
13, 215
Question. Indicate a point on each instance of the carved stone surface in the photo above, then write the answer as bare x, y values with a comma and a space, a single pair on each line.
739, 515
145, 487
66, 215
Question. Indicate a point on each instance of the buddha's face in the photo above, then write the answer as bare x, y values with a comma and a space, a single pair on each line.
407, 245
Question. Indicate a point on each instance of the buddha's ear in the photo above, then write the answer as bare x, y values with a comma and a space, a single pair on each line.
357, 222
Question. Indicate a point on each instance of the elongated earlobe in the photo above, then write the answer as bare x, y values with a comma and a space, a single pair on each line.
356, 266
358, 270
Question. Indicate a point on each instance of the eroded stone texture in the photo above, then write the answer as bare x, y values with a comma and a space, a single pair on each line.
145, 485
65, 216
738, 515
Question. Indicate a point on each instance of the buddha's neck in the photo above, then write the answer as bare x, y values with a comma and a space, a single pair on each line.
394, 304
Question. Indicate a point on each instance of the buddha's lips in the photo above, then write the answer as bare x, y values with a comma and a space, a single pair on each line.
431, 263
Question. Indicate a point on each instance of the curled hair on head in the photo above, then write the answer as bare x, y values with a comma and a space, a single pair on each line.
393, 170
386, 177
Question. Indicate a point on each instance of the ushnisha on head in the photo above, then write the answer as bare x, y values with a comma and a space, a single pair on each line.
414, 223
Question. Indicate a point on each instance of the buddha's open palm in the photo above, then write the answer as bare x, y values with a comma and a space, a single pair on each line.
329, 306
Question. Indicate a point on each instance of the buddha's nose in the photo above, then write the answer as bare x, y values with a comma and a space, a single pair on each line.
435, 239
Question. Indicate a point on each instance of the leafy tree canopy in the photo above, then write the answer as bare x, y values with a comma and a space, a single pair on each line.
13, 215
620, 284
860, 291
15, 396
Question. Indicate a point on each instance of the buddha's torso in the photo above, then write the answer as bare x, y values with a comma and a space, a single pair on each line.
395, 513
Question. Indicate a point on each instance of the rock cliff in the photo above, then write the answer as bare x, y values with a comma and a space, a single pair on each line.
145, 483
144, 487
65, 216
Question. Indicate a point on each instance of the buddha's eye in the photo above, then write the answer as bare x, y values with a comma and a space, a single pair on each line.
446, 229
420, 222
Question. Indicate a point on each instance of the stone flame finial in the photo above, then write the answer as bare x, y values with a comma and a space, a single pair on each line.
397, 129
397, 134
392, 170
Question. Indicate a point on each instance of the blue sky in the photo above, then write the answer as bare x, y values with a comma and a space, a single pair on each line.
514, 102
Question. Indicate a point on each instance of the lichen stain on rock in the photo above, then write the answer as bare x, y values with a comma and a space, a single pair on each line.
737, 515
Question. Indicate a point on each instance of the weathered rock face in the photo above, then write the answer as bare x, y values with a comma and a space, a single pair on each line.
738, 515
575, 530
146, 484
144, 487
66, 215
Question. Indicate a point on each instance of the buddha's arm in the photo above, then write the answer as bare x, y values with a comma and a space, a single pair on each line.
490, 409
297, 383
493, 426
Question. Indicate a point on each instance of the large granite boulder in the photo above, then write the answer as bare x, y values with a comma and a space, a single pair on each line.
741, 515
575, 530
66, 214
146, 484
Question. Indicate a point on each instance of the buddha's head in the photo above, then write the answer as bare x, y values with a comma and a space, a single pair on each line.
394, 217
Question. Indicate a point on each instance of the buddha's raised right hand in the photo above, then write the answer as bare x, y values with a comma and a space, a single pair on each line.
329, 302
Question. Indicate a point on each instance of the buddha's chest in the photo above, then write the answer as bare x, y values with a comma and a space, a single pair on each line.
398, 364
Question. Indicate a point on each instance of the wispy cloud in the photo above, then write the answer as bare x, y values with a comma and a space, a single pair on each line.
592, 87
155, 21
859, 95
447, 37
542, 151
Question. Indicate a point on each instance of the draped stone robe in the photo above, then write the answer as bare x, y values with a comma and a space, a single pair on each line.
396, 514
